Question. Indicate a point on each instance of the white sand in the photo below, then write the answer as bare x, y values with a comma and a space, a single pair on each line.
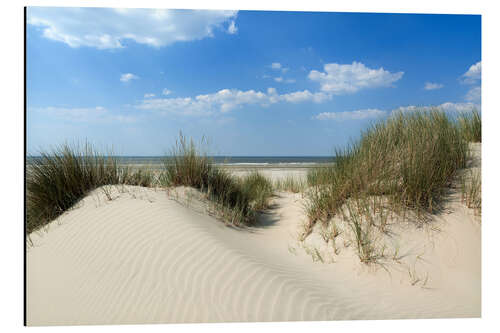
145, 258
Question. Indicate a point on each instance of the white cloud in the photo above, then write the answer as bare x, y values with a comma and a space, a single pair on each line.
433, 86
224, 100
276, 65
459, 107
96, 114
306, 95
474, 95
279, 66
351, 115
376, 113
447, 107
149, 95
127, 77
473, 75
227, 100
232, 29
186, 106
341, 79
166, 92
108, 28
281, 79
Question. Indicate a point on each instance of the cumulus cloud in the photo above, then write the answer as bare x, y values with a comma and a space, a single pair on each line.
474, 95
186, 106
447, 107
224, 100
230, 99
459, 107
109, 28
232, 29
279, 67
433, 86
349, 78
166, 92
473, 74
306, 95
282, 80
227, 100
127, 77
276, 65
376, 113
95, 114
351, 115
149, 95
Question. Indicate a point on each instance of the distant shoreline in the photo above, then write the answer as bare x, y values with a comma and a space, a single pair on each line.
277, 166
233, 162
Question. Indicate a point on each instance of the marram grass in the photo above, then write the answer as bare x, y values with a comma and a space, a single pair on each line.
258, 188
290, 184
58, 179
236, 200
470, 185
470, 126
410, 159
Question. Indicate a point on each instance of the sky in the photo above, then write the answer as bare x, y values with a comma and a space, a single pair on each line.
254, 83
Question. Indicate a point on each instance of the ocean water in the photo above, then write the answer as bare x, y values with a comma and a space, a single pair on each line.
230, 161
235, 160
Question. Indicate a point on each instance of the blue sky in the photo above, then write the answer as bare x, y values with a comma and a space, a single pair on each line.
254, 83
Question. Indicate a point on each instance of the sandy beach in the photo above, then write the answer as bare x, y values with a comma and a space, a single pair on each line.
154, 256
272, 173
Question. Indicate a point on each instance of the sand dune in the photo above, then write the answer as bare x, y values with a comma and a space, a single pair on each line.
145, 258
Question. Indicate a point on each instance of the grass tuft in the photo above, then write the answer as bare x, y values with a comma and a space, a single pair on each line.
361, 229
258, 188
470, 126
471, 190
403, 164
411, 158
58, 179
290, 184
235, 200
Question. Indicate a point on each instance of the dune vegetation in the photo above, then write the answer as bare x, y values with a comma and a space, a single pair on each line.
470, 186
237, 200
58, 179
404, 165
470, 126
290, 184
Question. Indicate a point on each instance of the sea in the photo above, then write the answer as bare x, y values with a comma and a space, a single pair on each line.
236, 160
